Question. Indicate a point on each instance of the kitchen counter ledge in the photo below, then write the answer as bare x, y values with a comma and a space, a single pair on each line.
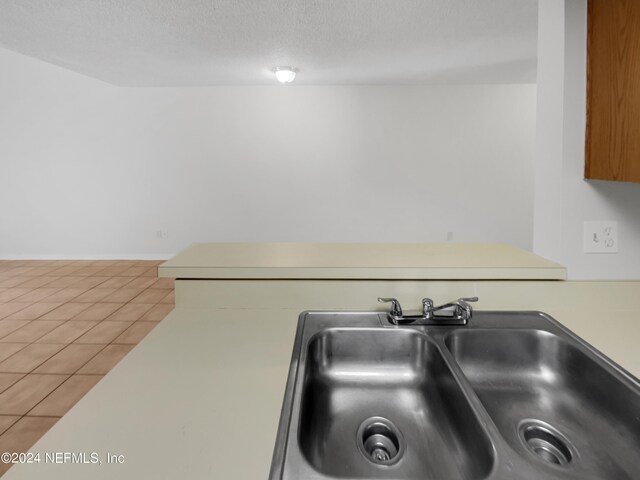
399, 261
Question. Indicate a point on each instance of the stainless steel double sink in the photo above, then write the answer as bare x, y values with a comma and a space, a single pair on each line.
511, 395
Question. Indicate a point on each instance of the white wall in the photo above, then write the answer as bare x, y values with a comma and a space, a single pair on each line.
547, 218
89, 169
563, 199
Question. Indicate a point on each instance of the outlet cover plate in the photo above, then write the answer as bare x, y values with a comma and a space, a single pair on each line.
600, 237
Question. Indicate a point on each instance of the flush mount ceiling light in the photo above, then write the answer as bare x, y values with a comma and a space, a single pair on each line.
285, 74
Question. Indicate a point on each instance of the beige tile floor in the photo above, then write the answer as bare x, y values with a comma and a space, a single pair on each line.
63, 326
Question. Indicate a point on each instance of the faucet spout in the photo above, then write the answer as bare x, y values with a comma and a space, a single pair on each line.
459, 309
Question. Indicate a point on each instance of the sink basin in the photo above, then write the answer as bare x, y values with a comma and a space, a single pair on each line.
545, 393
400, 376
511, 395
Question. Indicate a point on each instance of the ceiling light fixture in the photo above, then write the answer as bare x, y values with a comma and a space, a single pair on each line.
285, 74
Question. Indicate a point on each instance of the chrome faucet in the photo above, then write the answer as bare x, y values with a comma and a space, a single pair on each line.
457, 312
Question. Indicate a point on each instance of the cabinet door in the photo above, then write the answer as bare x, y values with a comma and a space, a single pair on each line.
613, 91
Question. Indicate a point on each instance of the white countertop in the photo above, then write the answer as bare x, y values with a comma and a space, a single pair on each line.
200, 397
442, 261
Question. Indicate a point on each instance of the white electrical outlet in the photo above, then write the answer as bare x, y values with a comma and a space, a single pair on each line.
162, 234
601, 237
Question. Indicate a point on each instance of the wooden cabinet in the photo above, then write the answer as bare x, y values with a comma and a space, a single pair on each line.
613, 91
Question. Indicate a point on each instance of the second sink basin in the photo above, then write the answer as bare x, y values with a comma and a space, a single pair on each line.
553, 402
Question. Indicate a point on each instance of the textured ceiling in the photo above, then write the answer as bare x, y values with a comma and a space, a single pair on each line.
236, 42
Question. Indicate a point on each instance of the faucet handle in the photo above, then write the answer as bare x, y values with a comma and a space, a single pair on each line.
396, 309
463, 305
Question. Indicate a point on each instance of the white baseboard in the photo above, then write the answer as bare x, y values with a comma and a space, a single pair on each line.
87, 256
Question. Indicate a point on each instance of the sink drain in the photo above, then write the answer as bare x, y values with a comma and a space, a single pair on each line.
547, 443
380, 441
